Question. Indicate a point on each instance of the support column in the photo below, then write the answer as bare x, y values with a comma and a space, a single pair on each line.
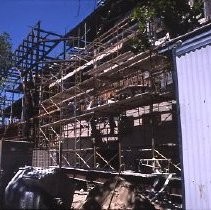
207, 9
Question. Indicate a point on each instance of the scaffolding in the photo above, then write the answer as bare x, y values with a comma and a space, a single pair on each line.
85, 117
81, 107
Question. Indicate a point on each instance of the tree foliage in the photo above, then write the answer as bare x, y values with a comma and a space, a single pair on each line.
5, 55
177, 16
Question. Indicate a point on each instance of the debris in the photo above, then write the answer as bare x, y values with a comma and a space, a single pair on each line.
36, 188
116, 194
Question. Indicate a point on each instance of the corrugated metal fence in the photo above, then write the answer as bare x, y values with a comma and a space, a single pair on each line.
193, 61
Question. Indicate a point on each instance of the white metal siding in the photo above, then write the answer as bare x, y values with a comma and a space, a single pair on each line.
194, 86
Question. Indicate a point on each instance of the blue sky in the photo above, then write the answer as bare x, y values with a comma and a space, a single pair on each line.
16, 16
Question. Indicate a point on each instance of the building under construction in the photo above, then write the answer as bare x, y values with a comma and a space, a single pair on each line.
100, 108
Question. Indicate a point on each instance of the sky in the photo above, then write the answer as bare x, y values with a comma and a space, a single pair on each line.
18, 16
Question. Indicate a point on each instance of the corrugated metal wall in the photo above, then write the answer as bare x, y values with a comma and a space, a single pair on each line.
194, 88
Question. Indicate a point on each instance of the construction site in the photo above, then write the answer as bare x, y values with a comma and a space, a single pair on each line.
101, 111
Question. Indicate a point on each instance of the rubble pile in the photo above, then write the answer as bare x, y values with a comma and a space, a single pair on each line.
36, 188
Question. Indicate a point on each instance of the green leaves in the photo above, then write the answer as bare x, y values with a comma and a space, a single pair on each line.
144, 14
5, 55
177, 16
